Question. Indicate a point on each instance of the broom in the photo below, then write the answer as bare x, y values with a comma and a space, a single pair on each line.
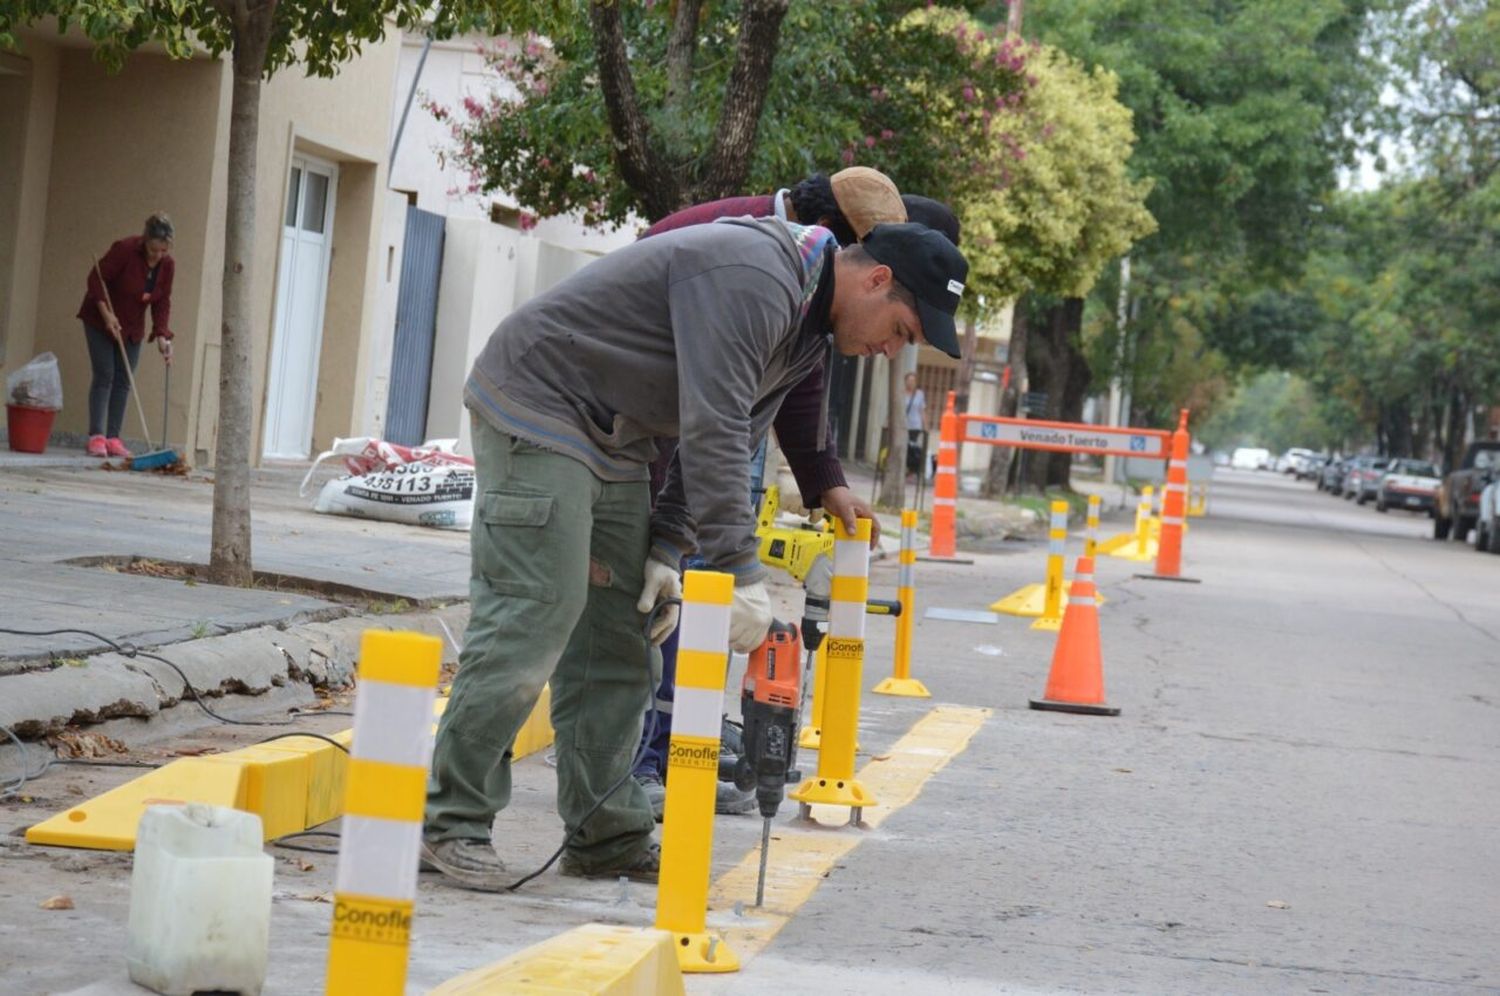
156, 458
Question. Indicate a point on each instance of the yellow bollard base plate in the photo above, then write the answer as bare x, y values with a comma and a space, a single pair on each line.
1133, 551
833, 792
909, 687
1026, 601
693, 951
810, 738
592, 960
1050, 625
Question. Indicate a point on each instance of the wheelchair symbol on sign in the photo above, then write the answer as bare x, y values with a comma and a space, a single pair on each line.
1138, 444
989, 430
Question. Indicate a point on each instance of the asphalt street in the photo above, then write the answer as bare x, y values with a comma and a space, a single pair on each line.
1301, 794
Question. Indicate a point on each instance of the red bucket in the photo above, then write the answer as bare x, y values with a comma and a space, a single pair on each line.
29, 427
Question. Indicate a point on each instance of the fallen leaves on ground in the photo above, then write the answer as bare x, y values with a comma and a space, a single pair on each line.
1278, 904
58, 903
73, 742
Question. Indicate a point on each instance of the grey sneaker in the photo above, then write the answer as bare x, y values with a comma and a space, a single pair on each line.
644, 867
656, 793
472, 864
731, 800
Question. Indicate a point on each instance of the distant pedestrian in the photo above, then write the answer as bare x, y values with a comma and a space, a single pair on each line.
137, 272
916, 425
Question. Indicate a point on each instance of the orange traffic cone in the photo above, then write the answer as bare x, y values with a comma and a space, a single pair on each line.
1076, 683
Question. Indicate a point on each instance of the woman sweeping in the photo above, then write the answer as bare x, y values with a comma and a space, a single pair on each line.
137, 273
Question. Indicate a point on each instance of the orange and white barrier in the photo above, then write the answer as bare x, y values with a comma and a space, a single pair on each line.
1174, 508
1076, 682
943, 541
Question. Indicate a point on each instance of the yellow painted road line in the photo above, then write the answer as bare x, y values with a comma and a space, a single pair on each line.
802, 856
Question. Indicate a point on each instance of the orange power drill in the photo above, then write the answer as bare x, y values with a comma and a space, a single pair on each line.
770, 703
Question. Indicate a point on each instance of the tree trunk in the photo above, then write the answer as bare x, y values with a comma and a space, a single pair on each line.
744, 98
639, 166
1075, 387
893, 483
1453, 444
966, 366
1047, 365
1002, 456
229, 557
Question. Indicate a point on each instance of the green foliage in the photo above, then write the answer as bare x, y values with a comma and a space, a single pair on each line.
1056, 203
315, 34
1243, 111
852, 83
1277, 410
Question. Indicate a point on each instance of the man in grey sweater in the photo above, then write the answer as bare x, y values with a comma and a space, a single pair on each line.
699, 334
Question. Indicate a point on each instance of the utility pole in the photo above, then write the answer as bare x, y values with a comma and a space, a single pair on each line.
1117, 379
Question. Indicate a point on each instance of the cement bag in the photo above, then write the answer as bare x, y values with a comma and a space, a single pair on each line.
36, 385
419, 494
364, 454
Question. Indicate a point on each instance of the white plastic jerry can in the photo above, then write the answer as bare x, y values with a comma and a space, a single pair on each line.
200, 901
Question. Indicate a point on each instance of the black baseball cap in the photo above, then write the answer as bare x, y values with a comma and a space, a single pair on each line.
932, 268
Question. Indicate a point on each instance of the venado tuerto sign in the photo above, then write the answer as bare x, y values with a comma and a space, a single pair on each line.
1066, 437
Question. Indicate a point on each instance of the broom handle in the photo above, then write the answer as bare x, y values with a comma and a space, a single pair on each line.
130, 374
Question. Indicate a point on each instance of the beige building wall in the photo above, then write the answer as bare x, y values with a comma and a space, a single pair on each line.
124, 146
28, 96
346, 121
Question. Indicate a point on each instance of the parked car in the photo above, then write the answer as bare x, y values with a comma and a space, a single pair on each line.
1312, 468
1409, 484
1364, 475
1332, 477
1487, 526
1250, 458
1457, 507
1292, 461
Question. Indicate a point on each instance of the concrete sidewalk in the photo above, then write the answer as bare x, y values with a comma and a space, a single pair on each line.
67, 529
69, 526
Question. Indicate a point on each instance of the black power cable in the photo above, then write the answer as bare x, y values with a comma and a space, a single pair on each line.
128, 650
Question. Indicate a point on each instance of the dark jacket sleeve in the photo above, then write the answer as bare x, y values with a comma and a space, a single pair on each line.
161, 300
797, 431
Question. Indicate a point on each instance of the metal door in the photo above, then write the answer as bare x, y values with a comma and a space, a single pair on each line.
416, 325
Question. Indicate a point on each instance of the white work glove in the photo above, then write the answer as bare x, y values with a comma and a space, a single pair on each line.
661, 582
749, 617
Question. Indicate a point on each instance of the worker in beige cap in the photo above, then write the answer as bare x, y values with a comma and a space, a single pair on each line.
849, 203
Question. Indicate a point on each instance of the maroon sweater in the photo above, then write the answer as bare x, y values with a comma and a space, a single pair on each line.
797, 422
125, 273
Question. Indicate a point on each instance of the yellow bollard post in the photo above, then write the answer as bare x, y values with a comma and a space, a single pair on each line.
1198, 505
1091, 533
812, 734
385, 789
835, 784
687, 829
901, 682
1057, 540
1143, 515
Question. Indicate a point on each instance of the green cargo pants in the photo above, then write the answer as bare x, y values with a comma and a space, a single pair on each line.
557, 561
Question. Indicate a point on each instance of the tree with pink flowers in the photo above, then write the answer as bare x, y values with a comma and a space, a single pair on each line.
645, 108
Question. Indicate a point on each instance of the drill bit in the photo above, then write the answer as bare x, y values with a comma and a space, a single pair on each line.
765, 843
